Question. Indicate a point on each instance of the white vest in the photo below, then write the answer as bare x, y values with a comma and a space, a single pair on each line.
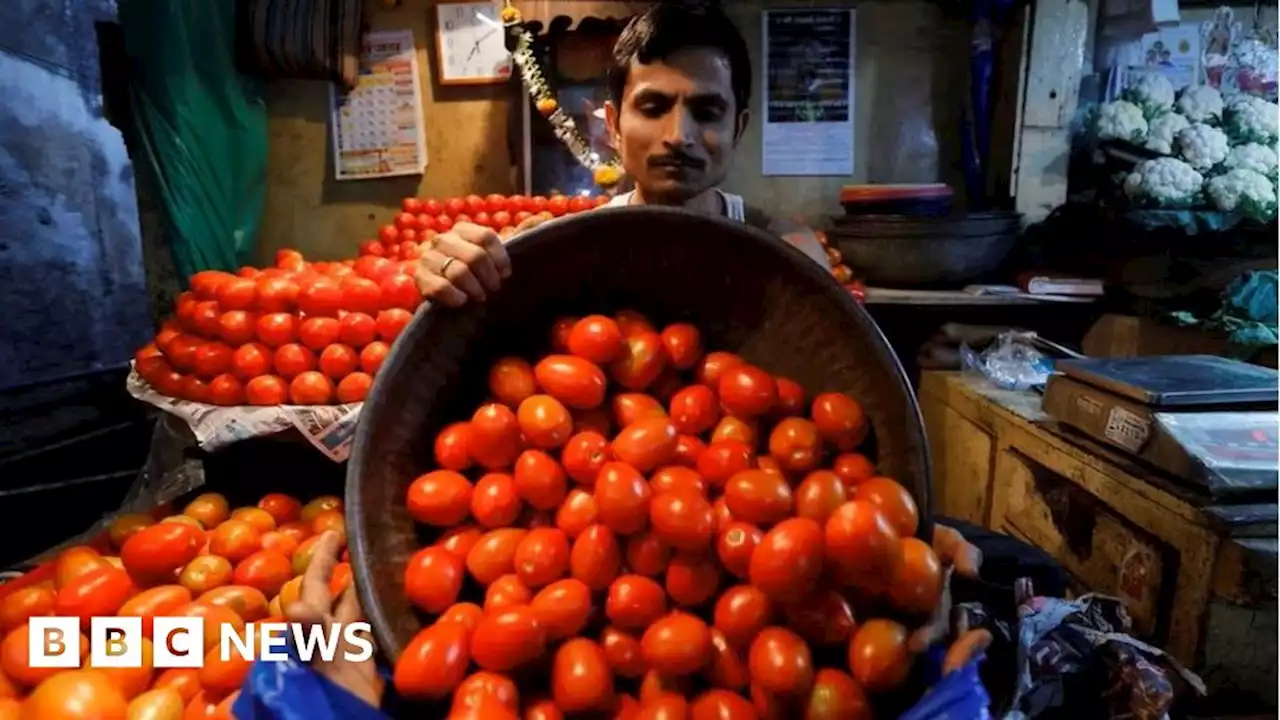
734, 208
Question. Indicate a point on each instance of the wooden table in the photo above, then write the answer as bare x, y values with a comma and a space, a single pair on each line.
1199, 578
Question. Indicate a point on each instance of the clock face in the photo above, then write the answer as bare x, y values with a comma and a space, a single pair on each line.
472, 42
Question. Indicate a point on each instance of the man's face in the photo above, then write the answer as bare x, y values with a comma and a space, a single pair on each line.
677, 125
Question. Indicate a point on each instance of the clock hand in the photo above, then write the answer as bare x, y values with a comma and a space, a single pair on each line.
475, 49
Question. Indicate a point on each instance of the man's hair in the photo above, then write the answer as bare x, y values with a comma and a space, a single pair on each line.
673, 25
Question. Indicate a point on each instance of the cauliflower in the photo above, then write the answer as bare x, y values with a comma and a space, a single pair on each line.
1244, 191
1202, 146
1164, 182
1252, 156
1251, 119
1162, 130
1201, 104
1150, 91
1120, 120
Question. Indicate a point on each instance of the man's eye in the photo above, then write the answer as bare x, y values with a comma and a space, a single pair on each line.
708, 114
652, 110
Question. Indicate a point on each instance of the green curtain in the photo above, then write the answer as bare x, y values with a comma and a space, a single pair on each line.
201, 127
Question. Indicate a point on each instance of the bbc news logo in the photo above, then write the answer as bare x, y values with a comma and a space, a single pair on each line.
179, 642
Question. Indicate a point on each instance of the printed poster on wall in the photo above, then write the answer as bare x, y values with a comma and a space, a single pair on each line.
808, 92
377, 127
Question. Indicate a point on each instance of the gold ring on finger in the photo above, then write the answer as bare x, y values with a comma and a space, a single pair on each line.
444, 266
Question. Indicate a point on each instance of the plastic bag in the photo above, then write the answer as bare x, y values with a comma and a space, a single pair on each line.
291, 690
1010, 362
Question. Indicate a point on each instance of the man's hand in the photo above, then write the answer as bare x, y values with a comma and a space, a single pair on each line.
466, 264
956, 555
316, 605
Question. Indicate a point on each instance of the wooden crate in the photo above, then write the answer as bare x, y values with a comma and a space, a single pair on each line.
1198, 579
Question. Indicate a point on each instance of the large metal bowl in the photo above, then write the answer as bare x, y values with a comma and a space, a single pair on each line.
749, 292
901, 250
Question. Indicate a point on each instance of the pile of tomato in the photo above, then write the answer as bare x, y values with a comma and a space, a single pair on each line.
633, 526
226, 566
421, 218
302, 333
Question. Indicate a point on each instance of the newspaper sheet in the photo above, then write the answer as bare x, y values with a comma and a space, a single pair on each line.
330, 428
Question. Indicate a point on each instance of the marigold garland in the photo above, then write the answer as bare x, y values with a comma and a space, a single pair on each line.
605, 174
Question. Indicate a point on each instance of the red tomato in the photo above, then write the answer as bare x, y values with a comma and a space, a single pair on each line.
677, 479
357, 330
451, 447
878, 655
736, 543
647, 554
852, 469
226, 390
581, 679
823, 618
392, 322
688, 450
250, 361
276, 329
511, 381
237, 327
24, 603
212, 359
540, 480
496, 501
789, 558
622, 497
400, 291
495, 437
434, 663
76, 694
558, 205
693, 410
795, 445
596, 338
683, 520
508, 639
100, 592
727, 669
840, 420
441, 498
646, 444
836, 696
713, 366
319, 332
632, 407
372, 356
722, 460
643, 359
433, 578
894, 501
583, 456
542, 557
631, 322
562, 608
494, 554
338, 361
692, 579
161, 550
323, 297
790, 397
758, 497
820, 495
917, 581
861, 546
507, 591
635, 602
247, 602
577, 513
733, 428
595, 558
747, 391
683, 345
623, 652
678, 644
265, 570
719, 704
266, 390
780, 662
544, 422
311, 388
487, 695
572, 380
292, 360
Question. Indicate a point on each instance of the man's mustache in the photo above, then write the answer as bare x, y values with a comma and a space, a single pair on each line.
677, 160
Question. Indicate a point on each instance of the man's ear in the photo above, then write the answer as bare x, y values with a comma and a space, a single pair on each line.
744, 118
611, 122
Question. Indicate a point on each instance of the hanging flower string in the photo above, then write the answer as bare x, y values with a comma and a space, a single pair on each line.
605, 174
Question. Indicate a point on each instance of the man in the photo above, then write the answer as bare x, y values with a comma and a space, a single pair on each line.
680, 93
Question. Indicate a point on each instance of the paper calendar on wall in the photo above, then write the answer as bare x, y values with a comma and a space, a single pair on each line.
378, 126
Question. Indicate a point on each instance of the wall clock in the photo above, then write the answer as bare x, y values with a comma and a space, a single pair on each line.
471, 44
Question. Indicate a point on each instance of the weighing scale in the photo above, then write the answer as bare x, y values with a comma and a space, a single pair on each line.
1207, 420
